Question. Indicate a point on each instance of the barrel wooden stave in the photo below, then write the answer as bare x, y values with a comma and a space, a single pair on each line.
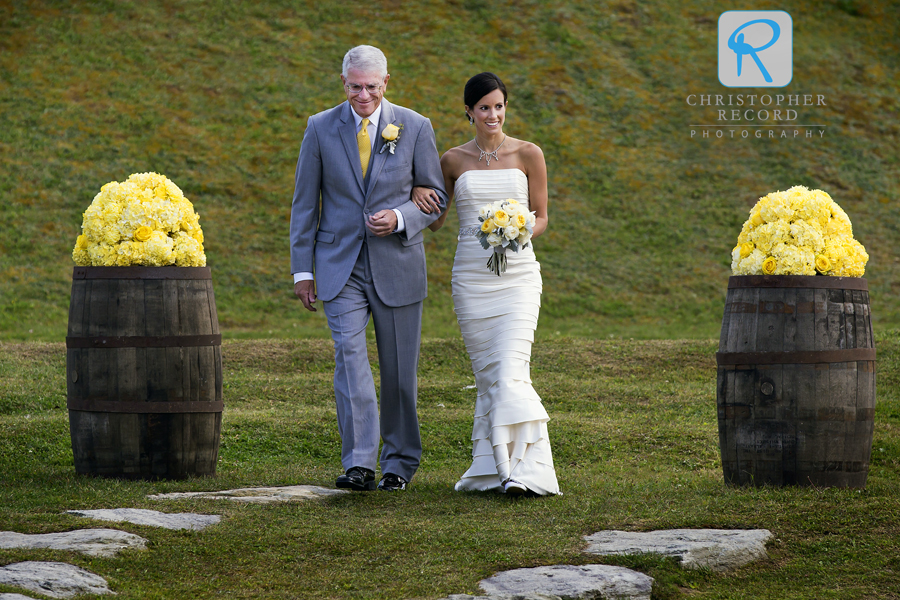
815, 427
144, 444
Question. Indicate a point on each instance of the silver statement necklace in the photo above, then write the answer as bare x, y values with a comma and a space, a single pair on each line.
488, 155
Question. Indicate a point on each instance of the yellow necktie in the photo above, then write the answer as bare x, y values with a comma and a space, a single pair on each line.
365, 146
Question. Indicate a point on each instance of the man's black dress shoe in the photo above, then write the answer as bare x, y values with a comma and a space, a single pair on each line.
392, 483
359, 479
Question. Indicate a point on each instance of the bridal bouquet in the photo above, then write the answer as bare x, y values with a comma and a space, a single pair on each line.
144, 221
798, 232
504, 224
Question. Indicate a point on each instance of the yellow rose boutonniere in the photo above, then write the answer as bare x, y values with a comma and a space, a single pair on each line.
391, 135
390, 132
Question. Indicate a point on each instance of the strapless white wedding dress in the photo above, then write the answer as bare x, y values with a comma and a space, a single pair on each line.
498, 316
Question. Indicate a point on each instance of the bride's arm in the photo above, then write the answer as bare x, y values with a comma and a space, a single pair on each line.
448, 167
536, 169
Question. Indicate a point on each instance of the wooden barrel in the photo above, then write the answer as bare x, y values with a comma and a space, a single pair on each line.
796, 381
144, 372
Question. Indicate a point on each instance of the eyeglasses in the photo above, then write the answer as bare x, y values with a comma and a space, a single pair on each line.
356, 88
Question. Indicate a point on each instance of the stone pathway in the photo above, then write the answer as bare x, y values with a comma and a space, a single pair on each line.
54, 579
93, 542
262, 495
154, 518
61, 580
715, 549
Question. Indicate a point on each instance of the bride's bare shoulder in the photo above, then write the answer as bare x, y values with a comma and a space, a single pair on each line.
525, 148
453, 161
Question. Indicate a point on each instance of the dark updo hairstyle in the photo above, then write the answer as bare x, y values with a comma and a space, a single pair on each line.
480, 86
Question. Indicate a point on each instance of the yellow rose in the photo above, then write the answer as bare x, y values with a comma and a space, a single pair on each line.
520, 221
390, 132
746, 249
756, 219
769, 265
823, 265
501, 218
143, 233
488, 225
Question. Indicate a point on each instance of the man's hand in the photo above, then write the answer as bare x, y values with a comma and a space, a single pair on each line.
306, 291
382, 223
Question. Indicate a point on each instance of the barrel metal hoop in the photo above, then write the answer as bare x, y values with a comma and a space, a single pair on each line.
788, 358
142, 273
798, 281
144, 341
132, 407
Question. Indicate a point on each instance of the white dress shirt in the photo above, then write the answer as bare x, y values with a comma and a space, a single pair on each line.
372, 129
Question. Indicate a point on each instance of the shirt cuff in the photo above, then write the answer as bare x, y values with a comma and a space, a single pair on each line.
302, 276
400, 224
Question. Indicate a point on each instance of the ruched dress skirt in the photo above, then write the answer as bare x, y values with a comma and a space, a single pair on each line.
498, 317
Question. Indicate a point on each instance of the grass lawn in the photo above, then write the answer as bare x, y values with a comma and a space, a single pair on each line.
635, 444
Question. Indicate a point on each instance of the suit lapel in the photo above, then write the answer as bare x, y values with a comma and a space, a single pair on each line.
348, 137
387, 116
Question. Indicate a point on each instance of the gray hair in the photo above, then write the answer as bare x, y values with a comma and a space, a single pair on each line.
368, 59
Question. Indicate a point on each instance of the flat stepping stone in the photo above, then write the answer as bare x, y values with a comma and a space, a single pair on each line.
260, 495
569, 581
94, 542
153, 518
54, 579
715, 549
500, 597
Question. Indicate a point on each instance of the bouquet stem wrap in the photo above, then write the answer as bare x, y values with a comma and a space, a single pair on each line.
497, 262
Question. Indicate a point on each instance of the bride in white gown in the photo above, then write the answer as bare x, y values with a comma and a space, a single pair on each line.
498, 315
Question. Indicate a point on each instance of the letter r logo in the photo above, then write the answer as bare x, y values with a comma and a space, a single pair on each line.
755, 48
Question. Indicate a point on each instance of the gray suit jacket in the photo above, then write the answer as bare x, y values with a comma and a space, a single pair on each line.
326, 237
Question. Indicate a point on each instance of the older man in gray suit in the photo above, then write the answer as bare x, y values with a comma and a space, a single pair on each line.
361, 250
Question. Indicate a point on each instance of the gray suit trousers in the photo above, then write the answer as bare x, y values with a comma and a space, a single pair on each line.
397, 335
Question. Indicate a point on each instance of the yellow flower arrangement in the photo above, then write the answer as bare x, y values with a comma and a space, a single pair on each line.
146, 221
798, 232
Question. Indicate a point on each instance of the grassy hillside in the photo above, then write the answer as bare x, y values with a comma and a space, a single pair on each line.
215, 95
